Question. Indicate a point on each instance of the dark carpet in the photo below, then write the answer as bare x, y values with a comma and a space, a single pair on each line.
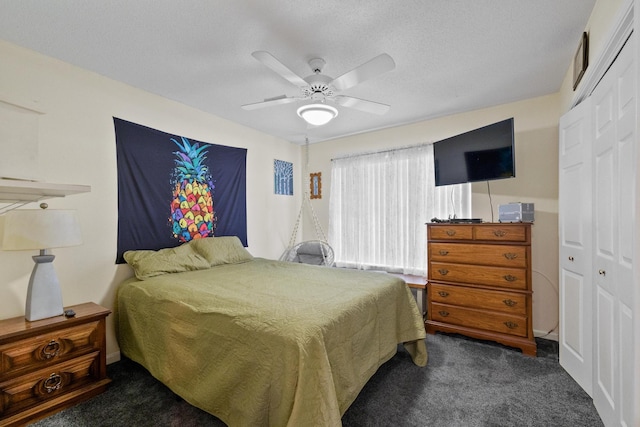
465, 383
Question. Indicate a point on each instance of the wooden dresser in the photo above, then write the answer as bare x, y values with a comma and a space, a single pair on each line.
479, 282
51, 364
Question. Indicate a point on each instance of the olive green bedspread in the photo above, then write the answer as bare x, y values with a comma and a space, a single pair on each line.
268, 343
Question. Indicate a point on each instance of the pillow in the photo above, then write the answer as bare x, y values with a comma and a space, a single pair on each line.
148, 264
221, 250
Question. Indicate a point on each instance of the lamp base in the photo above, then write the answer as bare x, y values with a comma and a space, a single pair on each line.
44, 297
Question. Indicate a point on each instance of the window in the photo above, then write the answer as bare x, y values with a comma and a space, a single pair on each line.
379, 204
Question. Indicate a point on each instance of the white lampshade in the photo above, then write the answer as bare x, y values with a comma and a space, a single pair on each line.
27, 229
317, 114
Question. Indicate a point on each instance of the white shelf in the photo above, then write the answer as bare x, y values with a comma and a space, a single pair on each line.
16, 191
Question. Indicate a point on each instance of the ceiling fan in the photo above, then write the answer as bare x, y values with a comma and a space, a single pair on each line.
320, 88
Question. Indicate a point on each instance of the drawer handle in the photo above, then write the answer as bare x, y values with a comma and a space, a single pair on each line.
451, 232
53, 383
443, 313
443, 253
571, 258
510, 278
443, 294
51, 350
510, 302
602, 272
499, 233
510, 255
511, 325
443, 271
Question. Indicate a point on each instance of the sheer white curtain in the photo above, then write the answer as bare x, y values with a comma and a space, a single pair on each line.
379, 204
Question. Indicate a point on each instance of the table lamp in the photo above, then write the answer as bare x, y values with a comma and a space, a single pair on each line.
29, 229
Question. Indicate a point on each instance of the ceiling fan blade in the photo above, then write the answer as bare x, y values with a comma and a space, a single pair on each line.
362, 105
270, 61
270, 102
378, 65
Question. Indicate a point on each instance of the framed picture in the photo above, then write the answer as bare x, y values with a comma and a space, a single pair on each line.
580, 60
283, 177
315, 184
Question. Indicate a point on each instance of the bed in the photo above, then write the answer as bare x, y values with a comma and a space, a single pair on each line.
258, 342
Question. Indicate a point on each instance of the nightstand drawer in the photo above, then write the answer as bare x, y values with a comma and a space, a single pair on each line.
503, 277
48, 348
513, 303
496, 255
480, 319
52, 382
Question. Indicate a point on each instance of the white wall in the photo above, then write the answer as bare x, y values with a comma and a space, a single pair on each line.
76, 145
536, 136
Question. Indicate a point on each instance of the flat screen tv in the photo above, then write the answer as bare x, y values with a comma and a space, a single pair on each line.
482, 154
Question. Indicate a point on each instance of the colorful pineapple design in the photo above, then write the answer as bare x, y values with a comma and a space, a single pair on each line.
192, 214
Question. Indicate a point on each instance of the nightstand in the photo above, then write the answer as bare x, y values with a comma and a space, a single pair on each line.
51, 364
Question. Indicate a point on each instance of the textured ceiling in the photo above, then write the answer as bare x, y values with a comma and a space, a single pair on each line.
451, 55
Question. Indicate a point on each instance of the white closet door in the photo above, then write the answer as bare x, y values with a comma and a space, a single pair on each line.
575, 205
626, 218
614, 116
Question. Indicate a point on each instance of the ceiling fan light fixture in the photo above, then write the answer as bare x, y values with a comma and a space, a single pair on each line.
317, 114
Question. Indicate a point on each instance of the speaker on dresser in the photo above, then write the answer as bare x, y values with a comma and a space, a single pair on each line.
515, 212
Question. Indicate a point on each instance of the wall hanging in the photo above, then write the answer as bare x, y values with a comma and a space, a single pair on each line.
172, 189
315, 185
283, 177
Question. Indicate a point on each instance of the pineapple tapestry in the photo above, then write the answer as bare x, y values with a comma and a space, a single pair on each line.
192, 214
173, 189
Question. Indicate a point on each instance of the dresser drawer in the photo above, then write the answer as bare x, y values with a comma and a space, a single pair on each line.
501, 233
42, 350
503, 277
479, 319
450, 232
48, 383
498, 255
506, 302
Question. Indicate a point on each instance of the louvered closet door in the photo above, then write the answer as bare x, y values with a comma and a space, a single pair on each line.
575, 204
614, 115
